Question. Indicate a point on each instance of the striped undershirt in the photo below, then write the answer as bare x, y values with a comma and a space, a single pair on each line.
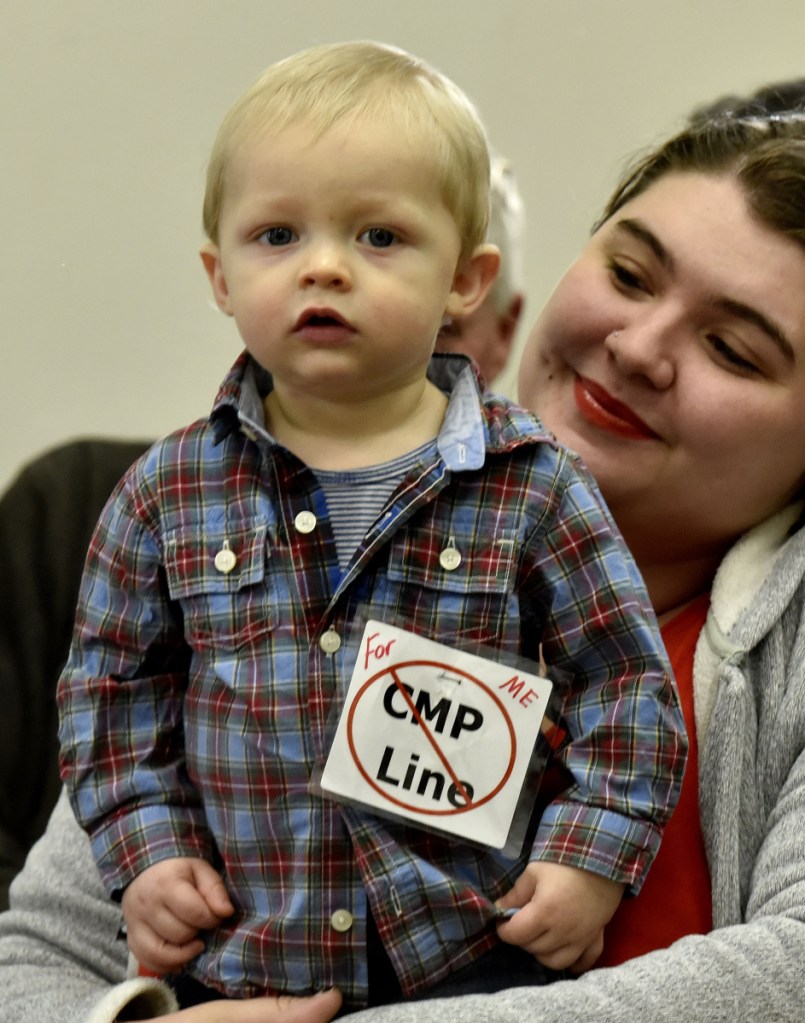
356, 497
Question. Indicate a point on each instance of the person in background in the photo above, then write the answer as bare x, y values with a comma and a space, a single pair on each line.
488, 334
47, 516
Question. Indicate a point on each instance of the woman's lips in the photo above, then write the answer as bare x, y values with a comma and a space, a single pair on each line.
600, 409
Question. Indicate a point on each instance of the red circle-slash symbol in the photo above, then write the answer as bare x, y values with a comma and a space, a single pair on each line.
393, 672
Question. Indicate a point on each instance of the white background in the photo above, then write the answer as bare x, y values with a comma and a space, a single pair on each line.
108, 109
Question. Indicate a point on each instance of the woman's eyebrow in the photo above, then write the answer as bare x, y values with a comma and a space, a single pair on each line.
751, 315
638, 230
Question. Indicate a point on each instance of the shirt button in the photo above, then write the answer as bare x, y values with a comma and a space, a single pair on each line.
226, 559
342, 920
330, 642
305, 522
450, 559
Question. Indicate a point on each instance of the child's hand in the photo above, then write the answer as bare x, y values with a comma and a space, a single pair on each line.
167, 905
563, 916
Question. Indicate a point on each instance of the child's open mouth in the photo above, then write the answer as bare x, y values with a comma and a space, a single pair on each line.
323, 325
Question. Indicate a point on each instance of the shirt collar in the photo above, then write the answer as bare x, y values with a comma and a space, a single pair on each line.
463, 437
239, 402
461, 441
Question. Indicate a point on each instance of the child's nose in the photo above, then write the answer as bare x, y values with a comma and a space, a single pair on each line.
326, 266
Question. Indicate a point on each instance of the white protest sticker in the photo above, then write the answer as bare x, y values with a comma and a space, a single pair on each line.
440, 737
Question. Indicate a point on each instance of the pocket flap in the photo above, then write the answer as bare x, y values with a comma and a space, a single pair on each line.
484, 564
194, 565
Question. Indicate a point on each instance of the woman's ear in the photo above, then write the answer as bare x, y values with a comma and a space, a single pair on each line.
473, 280
211, 258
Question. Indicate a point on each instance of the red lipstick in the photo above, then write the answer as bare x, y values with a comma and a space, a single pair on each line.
603, 411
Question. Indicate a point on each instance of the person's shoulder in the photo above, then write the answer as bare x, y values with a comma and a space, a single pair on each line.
187, 445
92, 460
510, 425
193, 470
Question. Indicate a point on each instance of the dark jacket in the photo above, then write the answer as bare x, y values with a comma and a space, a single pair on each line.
47, 516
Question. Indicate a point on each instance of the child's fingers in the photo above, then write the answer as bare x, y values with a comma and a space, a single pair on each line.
589, 956
548, 947
575, 956
168, 926
190, 907
157, 954
551, 946
520, 894
211, 887
525, 929
510, 900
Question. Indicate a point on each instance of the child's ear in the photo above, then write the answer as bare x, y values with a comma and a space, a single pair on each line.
211, 258
473, 280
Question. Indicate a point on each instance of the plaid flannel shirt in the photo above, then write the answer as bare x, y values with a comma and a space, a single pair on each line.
195, 702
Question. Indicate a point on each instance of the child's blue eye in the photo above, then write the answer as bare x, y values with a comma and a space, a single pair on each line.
379, 237
277, 236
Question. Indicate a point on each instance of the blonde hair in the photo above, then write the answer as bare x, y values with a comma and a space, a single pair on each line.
341, 82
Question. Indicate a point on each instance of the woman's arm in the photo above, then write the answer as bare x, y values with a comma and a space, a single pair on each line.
738, 974
61, 960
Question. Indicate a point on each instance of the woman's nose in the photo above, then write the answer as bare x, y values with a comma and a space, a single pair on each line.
643, 349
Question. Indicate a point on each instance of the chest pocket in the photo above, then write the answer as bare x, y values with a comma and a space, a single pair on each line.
220, 580
461, 588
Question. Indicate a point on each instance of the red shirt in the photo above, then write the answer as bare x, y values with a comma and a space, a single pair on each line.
675, 899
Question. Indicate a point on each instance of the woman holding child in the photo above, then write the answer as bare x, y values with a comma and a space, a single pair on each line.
672, 357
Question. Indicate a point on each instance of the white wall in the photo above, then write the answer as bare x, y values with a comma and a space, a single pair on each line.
108, 108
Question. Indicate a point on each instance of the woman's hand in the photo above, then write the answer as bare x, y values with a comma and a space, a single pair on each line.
319, 1008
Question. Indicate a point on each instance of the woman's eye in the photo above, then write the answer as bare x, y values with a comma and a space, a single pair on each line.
626, 278
277, 236
728, 354
378, 237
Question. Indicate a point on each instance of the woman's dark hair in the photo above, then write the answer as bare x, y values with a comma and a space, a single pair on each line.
764, 154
